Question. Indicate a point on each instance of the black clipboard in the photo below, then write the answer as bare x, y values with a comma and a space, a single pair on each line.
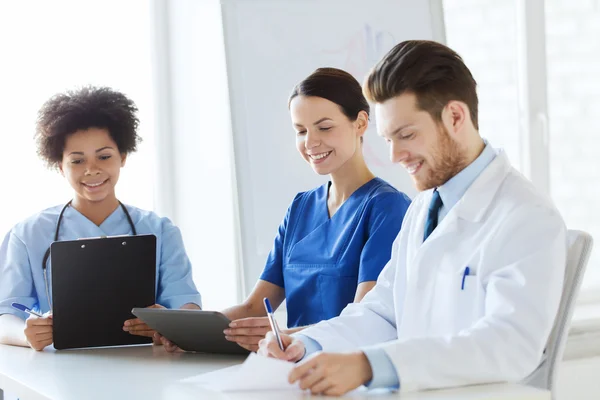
95, 284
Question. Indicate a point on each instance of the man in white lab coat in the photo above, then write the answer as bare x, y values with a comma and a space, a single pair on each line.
475, 278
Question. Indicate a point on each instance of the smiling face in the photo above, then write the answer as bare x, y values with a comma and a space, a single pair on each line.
421, 145
91, 162
325, 137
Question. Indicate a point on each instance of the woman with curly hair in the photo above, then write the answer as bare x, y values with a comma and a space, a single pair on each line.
87, 135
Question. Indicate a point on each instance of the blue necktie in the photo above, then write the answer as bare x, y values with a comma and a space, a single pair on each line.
432, 214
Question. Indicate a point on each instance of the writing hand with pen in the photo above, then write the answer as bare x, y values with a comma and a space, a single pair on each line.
332, 374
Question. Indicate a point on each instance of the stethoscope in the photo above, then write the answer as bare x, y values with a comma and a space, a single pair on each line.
60, 216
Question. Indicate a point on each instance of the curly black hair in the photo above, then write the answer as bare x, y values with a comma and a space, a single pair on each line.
81, 109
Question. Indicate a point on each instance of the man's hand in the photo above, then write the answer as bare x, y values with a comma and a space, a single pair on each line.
138, 327
332, 374
38, 331
247, 332
293, 348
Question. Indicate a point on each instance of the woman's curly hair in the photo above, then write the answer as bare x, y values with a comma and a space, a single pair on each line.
81, 109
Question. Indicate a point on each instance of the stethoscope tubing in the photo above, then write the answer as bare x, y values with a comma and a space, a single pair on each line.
57, 231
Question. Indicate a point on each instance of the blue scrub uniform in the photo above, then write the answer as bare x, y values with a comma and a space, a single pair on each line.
320, 261
23, 248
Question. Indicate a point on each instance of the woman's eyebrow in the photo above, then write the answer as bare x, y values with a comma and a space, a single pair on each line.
104, 148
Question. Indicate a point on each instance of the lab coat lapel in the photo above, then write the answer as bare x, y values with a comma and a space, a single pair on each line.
434, 243
480, 195
471, 207
424, 259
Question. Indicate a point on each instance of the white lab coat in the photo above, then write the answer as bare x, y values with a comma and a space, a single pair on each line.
436, 334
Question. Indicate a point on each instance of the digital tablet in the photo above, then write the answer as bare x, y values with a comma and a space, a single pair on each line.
191, 330
95, 284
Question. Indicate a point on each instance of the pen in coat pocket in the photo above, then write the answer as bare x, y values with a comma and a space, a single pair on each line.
465, 274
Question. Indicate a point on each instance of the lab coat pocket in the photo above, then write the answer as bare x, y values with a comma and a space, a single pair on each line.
456, 302
470, 302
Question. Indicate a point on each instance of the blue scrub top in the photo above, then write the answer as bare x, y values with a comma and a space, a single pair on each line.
23, 248
320, 261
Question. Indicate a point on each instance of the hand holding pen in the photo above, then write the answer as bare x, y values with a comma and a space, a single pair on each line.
277, 344
274, 327
38, 328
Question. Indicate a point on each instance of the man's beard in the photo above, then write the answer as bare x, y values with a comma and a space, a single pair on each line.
448, 158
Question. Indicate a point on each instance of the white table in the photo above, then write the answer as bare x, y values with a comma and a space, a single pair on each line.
148, 372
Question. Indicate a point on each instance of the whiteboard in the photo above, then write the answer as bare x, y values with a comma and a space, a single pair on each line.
271, 45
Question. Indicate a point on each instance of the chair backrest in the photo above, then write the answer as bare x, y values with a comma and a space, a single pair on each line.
580, 247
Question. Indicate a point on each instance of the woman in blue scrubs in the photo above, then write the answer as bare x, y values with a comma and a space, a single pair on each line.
87, 135
335, 239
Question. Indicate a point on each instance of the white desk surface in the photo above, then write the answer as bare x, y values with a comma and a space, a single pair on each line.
148, 372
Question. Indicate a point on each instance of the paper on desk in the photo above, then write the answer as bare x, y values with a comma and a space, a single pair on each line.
256, 373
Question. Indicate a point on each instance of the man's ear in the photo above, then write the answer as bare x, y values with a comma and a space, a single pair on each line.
455, 115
